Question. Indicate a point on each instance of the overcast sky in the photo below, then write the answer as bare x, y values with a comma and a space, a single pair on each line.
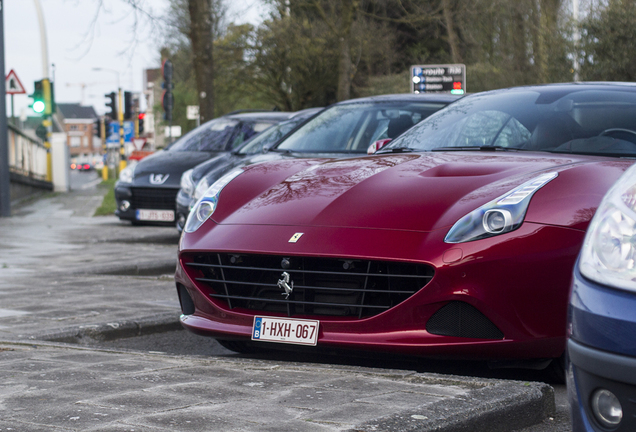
76, 47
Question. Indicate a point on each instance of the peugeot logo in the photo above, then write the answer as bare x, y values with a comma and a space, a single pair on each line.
158, 179
283, 283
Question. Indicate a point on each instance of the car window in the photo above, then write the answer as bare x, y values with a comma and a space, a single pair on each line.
210, 136
571, 120
248, 130
269, 137
351, 128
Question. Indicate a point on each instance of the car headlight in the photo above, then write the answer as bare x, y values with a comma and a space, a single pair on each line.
202, 188
501, 215
187, 184
127, 174
608, 255
206, 205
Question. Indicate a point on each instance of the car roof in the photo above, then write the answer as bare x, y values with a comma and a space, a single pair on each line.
405, 97
571, 87
261, 115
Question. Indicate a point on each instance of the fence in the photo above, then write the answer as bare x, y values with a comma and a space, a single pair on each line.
27, 156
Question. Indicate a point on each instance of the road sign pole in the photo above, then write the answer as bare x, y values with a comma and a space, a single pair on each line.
122, 150
5, 186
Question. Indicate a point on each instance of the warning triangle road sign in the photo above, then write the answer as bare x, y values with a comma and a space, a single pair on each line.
13, 84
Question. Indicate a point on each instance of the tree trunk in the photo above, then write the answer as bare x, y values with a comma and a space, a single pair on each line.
201, 37
453, 40
344, 69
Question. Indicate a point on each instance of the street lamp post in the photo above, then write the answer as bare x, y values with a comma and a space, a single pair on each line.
120, 118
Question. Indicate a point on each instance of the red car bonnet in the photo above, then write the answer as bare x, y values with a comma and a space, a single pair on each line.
416, 192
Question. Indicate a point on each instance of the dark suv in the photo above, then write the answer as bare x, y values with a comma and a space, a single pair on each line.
146, 191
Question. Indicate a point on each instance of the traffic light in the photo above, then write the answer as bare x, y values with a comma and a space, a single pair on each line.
38, 104
97, 128
43, 97
167, 100
112, 104
141, 122
128, 105
41, 132
49, 96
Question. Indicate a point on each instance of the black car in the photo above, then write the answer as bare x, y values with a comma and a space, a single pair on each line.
345, 129
256, 145
146, 191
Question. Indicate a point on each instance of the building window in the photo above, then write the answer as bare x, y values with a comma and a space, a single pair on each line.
75, 141
73, 127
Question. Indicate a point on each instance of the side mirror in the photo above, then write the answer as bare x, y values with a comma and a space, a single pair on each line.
378, 145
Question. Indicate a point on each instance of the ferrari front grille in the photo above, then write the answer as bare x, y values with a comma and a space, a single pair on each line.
304, 285
154, 198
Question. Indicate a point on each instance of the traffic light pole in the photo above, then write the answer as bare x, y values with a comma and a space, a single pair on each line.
122, 149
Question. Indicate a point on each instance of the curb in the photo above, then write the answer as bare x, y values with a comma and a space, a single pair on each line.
87, 334
152, 268
500, 408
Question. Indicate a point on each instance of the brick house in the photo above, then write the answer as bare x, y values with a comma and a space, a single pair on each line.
79, 122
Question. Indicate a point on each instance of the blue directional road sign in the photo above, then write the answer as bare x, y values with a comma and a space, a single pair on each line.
113, 132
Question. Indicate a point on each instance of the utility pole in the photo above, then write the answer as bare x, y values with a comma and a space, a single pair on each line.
5, 187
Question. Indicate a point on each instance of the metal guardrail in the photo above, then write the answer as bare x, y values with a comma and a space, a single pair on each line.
27, 155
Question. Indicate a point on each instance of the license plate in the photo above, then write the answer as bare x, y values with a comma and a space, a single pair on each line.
285, 330
155, 215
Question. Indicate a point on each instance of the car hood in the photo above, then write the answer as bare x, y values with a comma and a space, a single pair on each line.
416, 191
166, 167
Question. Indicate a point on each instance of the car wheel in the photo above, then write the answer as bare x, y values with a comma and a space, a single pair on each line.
239, 346
556, 370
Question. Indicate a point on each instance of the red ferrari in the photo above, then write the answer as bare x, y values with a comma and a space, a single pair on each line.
456, 240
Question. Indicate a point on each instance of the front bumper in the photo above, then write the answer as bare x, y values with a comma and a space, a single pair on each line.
601, 352
519, 281
130, 198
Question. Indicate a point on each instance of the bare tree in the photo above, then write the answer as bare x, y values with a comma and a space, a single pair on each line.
201, 37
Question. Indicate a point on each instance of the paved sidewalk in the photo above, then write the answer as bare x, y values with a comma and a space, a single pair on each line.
66, 276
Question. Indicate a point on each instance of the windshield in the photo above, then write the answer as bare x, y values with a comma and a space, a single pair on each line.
351, 128
210, 136
269, 137
556, 119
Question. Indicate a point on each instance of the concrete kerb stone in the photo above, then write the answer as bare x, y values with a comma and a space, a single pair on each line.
499, 406
138, 268
87, 334
492, 405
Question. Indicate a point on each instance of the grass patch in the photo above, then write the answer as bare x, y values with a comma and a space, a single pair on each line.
108, 203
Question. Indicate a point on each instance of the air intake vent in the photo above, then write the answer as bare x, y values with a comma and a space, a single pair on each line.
314, 286
462, 320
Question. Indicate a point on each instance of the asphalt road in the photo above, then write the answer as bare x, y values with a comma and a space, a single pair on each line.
83, 179
189, 344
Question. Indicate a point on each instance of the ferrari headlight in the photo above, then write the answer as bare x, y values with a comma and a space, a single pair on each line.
206, 205
127, 174
187, 184
202, 188
499, 216
608, 255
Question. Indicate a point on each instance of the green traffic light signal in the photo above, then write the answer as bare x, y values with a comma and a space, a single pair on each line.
38, 106
43, 98
38, 97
